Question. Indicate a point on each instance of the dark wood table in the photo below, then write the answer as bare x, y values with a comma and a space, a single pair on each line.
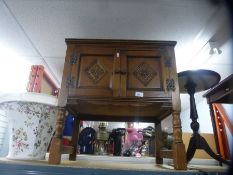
221, 93
191, 82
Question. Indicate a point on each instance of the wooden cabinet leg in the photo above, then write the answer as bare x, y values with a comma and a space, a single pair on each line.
74, 141
179, 155
158, 143
56, 143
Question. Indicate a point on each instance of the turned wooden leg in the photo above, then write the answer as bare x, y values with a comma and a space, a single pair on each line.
74, 141
179, 155
56, 143
158, 143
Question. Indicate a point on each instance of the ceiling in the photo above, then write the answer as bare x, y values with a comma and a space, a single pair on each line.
35, 30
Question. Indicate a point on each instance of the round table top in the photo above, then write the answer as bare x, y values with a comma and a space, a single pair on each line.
204, 79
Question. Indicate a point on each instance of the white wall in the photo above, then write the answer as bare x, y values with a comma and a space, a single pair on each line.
4, 143
203, 118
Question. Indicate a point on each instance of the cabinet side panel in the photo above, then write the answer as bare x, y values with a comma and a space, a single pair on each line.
66, 77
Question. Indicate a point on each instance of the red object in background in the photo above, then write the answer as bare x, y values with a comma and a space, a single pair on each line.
66, 142
132, 136
36, 77
221, 120
110, 148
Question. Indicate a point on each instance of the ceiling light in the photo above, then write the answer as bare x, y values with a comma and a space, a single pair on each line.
214, 48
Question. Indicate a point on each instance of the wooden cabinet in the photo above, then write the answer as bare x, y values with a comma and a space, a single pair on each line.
119, 77
121, 80
110, 68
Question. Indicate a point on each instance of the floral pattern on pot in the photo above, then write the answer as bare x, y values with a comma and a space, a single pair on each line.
31, 127
19, 140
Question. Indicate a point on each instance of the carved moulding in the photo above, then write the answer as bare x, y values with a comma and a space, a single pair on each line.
73, 59
170, 83
144, 73
95, 71
70, 80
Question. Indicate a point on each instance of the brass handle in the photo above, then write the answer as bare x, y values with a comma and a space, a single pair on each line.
123, 72
117, 72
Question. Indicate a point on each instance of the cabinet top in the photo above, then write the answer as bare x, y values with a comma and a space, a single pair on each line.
120, 42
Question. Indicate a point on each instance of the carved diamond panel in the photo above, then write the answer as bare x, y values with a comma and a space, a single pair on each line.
95, 71
144, 73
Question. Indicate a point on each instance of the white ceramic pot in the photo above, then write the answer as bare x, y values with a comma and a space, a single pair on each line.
32, 118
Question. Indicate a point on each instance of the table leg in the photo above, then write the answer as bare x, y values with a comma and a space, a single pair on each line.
191, 149
197, 141
158, 143
75, 136
56, 143
179, 155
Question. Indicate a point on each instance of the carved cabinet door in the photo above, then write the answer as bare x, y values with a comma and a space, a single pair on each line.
94, 73
114, 71
142, 73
